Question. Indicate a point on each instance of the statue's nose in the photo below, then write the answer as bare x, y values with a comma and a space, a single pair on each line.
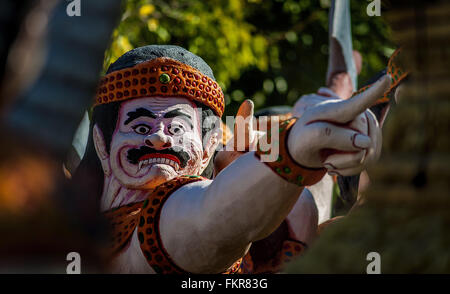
158, 140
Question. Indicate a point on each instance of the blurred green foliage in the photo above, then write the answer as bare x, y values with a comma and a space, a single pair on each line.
269, 51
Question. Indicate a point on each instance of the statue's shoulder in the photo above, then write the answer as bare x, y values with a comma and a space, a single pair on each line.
148, 227
124, 219
172, 185
160, 194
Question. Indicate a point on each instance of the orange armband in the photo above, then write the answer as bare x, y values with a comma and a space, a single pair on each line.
285, 166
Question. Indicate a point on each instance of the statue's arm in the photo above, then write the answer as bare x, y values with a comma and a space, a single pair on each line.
206, 226
288, 241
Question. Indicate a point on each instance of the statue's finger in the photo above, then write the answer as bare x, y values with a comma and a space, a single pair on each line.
344, 161
376, 138
347, 171
243, 127
346, 110
246, 108
329, 136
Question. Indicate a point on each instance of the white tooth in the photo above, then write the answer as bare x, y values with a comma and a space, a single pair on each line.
177, 167
146, 162
140, 165
167, 161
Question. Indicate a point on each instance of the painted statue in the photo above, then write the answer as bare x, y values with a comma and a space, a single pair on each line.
155, 128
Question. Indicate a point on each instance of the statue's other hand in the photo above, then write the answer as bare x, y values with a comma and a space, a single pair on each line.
342, 136
245, 137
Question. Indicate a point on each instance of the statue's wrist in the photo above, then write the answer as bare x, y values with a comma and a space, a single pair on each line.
284, 164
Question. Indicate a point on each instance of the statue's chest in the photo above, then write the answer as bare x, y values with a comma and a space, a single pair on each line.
131, 260
135, 245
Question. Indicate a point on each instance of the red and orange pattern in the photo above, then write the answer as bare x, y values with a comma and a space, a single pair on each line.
290, 250
148, 228
162, 77
122, 221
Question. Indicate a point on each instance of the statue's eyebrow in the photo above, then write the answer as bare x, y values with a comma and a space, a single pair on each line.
178, 113
132, 115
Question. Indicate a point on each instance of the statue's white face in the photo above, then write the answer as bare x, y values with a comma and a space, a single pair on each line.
157, 139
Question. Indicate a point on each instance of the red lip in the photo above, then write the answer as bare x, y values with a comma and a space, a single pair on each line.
155, 155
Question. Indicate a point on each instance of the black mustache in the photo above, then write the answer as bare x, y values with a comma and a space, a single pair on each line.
136, 153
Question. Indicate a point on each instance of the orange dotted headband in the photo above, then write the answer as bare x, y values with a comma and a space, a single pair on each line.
164, 77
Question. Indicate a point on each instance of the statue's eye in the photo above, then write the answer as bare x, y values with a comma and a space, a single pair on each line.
141, 129
175, 129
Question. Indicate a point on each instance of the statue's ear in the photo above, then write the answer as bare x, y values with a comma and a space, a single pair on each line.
100, 148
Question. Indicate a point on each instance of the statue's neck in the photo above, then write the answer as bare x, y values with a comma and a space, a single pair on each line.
116, 195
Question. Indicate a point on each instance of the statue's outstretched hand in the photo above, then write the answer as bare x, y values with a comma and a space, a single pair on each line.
342, 136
